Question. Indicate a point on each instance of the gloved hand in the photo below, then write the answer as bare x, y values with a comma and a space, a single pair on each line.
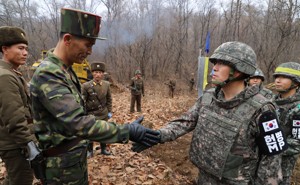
140, 134
137, 147
109, 115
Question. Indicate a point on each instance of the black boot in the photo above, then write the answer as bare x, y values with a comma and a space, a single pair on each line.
103, 149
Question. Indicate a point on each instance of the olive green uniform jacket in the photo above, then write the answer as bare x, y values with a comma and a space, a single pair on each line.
14, 109
97, 98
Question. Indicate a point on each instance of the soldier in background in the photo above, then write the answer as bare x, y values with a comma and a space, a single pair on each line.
257, 79
137, 90
15, 107
236, 134
171, 86
287, 84
107, 77
62, 127
97, 98
192, 82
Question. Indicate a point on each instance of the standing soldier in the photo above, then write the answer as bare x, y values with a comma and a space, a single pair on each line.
137, 90
192, 82
287, 83
236, 134
15, 107
61, 125
97, 98
257, 79
171, 86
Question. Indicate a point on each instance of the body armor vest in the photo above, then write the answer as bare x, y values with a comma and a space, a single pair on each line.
218, 135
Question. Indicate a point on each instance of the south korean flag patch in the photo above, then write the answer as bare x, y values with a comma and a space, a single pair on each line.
271, 140
270, 125
296, 126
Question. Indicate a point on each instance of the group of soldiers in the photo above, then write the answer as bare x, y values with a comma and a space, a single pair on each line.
240, 135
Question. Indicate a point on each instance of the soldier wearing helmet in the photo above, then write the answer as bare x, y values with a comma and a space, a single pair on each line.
287, 82
137, 90
236, 135
257, 79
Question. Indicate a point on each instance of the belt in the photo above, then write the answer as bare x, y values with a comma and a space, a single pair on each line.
61, 148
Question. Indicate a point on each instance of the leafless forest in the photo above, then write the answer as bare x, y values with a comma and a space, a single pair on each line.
163, 37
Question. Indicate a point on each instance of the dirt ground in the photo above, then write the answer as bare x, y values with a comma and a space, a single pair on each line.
166, 164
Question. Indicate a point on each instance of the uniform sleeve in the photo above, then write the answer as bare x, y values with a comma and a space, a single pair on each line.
57, 97
109, 99
269, 171
84, 92
181, 126
12, 110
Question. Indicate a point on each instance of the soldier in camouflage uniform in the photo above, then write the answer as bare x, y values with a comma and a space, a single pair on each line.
97, 97
236, 135
61, 124
287, 83
257, 79
137, 90
15, 107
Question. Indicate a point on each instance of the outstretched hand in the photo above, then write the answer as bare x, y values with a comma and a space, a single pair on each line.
137, 147
140, 134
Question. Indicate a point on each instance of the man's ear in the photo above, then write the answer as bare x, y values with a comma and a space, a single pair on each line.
67, 39
237, 73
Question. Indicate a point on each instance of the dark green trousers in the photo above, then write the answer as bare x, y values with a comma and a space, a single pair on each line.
136, 99
17, 167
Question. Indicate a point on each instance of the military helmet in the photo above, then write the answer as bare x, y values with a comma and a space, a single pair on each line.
258, 73
137, 72
239, 55
290, 70
98, 66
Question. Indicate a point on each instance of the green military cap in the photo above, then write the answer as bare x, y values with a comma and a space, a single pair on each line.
98, 66
80, 23
10, 35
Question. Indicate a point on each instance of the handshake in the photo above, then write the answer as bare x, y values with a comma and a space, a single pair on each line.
143, 137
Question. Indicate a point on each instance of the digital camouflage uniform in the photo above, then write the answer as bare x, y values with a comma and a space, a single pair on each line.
15, 113
236, 141
264, 91
59, 115
289, 110
137, 90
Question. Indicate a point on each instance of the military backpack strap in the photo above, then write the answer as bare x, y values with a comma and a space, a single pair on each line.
271, 139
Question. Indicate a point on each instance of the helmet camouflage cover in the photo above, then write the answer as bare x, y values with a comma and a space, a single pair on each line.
137, 72
258, 73
80, 23
239, 55
290, 70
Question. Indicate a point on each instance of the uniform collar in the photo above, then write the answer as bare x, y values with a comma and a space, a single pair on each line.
9, 66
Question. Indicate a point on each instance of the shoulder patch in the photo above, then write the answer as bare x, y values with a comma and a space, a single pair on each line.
271, 140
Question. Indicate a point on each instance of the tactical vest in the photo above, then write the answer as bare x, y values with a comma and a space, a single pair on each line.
267, 93
218, 134
289, 110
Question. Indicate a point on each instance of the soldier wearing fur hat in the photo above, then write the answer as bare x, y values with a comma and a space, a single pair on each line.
97, 98
15, 108
62, 127
137, 90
